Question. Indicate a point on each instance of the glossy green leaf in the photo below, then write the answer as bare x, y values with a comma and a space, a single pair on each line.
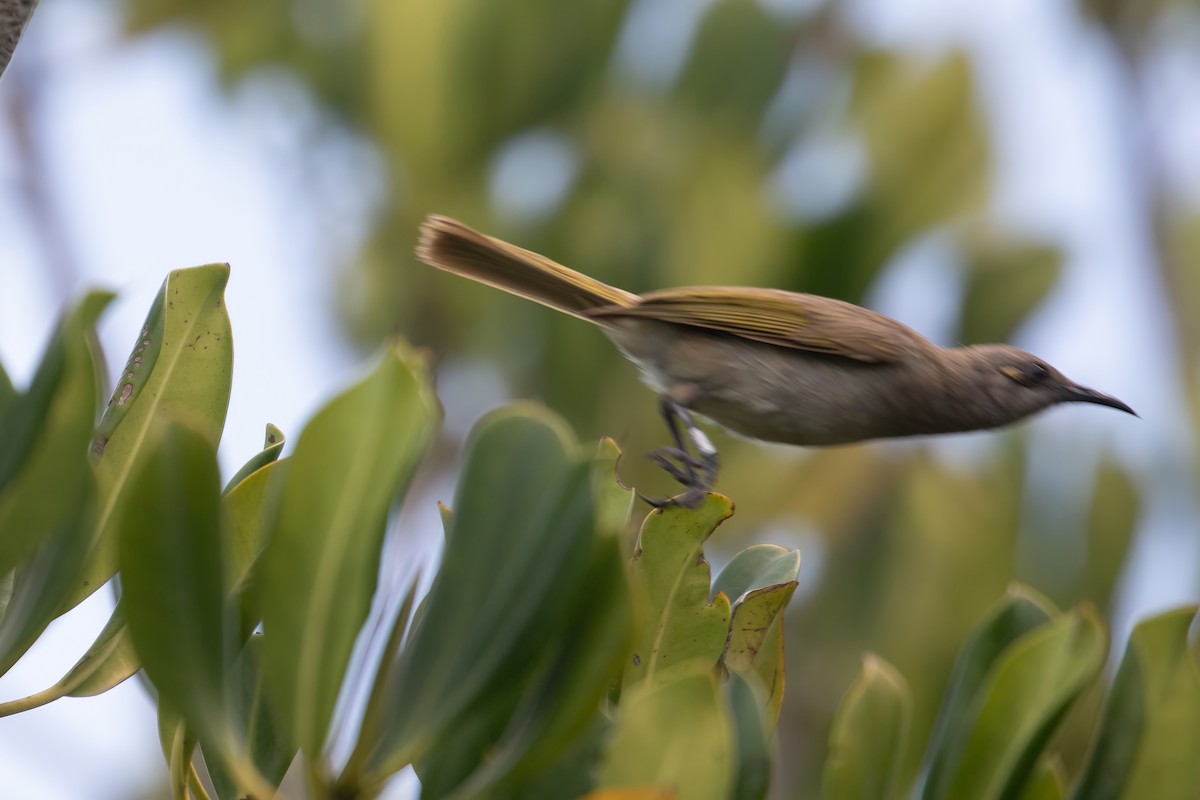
44, 473
866, 744
674, 735
1021, 611
1149, 734
681, 630
180, 367
754, 647
755, 567
1026, 693
170, 561
518, 550
272, 447
319, 571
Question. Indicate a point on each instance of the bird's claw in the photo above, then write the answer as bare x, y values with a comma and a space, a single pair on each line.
695, 472
690, 498
684, 471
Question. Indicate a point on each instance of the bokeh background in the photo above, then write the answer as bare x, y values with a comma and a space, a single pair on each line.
1025, 171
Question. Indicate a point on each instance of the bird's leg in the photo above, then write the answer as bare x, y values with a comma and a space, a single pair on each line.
697, 473
709, 460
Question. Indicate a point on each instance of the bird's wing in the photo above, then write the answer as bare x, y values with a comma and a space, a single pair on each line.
786, 319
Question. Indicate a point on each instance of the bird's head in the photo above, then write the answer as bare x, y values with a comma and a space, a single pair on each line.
1006, 384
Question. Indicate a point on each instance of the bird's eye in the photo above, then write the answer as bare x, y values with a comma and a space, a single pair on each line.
1038, 372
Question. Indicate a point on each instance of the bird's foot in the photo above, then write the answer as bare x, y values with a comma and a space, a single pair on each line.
686, 471
690, 498
697, 473
683, 467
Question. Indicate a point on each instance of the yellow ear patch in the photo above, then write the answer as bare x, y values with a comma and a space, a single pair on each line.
1013, 373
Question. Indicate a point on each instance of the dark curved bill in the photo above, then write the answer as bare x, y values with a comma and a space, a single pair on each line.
1083, 394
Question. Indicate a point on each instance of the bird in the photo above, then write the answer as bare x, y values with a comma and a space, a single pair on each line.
13, 16
768, 364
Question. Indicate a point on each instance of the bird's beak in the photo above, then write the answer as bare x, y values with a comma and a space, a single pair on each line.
1082, 394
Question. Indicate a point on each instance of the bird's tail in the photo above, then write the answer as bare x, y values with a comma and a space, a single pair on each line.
450, 245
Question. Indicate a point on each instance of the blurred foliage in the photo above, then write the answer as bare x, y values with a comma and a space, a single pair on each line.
1014, 681
687, 173
544, 661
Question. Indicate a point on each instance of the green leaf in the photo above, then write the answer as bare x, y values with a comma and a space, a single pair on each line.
319, 571
926, 142
739, 59
272, 447
247, 518
752, 738
39, 584
1007, 279
1112, 522
674, 735
370, 730
180, 367
1046, 782
178, 743
169, 552
1021, 611
563, 699
249, 509
109, 661
573, 772
1149, 734
614, 502
257, 723
760, 581
755, 567
44, 473
48, 500
866, 743
754, 647
518, 549
7, 393
1026, 693
681, 630
170, 559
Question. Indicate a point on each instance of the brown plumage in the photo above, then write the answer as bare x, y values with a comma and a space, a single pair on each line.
14, 14
769, 364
